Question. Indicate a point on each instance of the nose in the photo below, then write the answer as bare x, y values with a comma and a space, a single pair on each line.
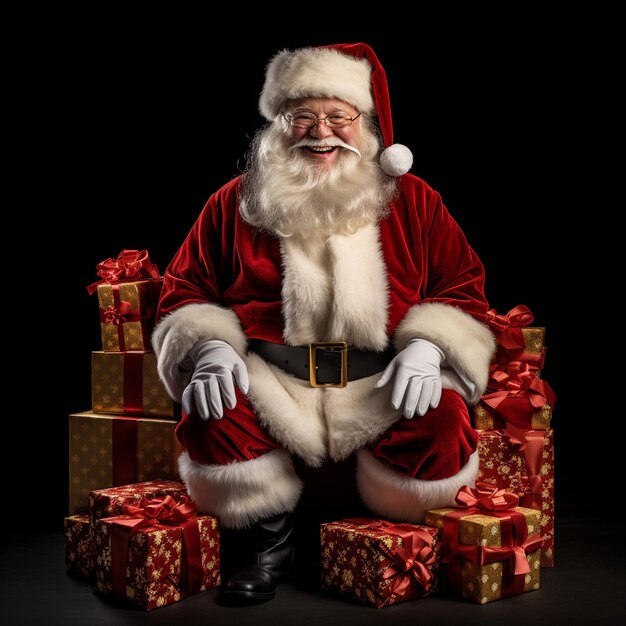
321, 131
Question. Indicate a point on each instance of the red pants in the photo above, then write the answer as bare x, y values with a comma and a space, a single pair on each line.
431, 447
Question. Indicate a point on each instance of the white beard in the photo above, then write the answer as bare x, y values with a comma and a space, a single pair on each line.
287, 194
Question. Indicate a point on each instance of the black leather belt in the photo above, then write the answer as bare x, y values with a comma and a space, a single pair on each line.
323, 364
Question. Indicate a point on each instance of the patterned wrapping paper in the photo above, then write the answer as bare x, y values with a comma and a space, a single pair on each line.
79, 547
534, 338
501, 463
485, 418
369, 562
127, 383
484, 583
127, 313
107, 451
155, 562
110, 502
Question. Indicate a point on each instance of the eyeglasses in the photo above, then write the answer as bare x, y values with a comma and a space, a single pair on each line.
302, 119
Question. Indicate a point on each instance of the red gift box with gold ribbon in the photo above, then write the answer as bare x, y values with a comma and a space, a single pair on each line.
128, 295
378, 563
491, 546
157, 553
522, 462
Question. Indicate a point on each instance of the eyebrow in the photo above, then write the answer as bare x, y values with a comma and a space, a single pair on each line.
305, 110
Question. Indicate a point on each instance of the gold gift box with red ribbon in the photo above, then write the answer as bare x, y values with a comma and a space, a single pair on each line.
491, 546
79, 547
128, 295
127, 383
157, 553
108, 451
486, 418
522, 462
378, 563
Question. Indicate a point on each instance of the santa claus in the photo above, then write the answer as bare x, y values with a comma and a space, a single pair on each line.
324, 304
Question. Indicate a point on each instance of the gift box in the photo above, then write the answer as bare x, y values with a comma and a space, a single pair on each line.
107, 451
491, 546
128, 295
79, 547
378, 563
157, 553
487, 418
127, 383
522, 462
111, 501
514, 333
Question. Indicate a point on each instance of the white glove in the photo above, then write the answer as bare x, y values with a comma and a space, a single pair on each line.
416, 378
211, 387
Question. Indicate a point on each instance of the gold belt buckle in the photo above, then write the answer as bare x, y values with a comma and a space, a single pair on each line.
335, 346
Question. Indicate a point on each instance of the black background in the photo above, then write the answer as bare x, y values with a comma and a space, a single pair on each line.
132, 123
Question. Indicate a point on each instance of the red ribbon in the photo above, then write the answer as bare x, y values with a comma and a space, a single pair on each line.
124, 450
160, 511
486, 499
530, 444
508, 327
133, 383
410, 565
129, 265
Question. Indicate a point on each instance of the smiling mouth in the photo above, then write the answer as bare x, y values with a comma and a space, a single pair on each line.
321, 149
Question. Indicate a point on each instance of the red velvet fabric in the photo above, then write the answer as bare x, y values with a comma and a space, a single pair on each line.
224, 261
431, 447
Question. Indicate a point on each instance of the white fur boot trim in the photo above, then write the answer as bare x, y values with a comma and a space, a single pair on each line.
242, 493
403, 499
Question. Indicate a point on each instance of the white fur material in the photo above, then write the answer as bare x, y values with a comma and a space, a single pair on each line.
242, 493
345, 276
396, 160
403, 499
177, 332
467, 344
316, 73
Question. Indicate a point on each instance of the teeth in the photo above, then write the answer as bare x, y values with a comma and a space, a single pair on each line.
321, 148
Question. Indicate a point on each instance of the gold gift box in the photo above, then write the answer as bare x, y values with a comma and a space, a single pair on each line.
534, 339
483, 583
143, 297
97, 441
486, 419
110, 387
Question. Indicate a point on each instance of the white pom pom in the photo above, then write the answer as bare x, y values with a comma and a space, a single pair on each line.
396, 160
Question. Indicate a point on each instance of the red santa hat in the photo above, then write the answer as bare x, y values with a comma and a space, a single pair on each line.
349, 72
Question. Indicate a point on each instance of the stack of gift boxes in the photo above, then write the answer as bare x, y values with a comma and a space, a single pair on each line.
134, 533
493, 544
128, 509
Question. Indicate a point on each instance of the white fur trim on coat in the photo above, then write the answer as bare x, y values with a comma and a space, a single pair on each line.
403, 499
177, 332
316, 73
336, 290
242, 493
467, 344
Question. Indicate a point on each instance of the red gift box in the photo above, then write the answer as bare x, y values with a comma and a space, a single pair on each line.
157, 553
522, 462
111, 501
79, 547
377, 562
128, 294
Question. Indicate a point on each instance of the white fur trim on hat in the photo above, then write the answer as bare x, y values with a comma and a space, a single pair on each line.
316, 73
401, 498
396, 160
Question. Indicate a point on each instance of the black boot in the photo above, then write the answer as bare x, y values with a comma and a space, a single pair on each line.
264, 554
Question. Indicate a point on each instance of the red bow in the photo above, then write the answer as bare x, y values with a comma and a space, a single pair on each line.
485, 497
508, 327
530, 444
518, 378
129, 265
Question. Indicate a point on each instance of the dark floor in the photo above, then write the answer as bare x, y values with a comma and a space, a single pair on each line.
586, 587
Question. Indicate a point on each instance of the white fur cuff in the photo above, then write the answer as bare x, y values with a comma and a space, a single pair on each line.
403, 499
242, 493
467, 344
177, 332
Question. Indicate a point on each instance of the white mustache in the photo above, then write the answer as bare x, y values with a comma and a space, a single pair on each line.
307, 142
